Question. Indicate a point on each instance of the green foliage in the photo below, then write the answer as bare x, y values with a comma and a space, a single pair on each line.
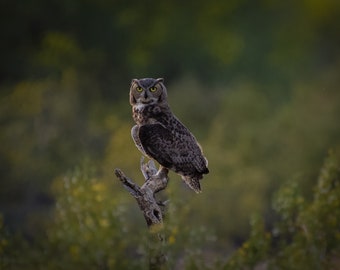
87, 230
254, 251
4, 242
88, 223
307, 234
187, 246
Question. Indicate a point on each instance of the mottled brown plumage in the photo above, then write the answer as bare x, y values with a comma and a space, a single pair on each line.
159, 135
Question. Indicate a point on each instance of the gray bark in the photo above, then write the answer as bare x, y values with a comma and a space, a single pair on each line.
155, 181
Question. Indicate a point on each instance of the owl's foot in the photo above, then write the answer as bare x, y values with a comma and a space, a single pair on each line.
148, 168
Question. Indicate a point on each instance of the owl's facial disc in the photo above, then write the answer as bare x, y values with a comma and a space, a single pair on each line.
146, 97
147, 91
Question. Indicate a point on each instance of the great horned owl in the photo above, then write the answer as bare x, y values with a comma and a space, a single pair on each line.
159, 135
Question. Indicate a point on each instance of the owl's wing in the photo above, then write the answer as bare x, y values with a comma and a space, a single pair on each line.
156, 141
174, 150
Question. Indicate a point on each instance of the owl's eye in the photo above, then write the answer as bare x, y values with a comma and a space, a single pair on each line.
153, 89
139, 89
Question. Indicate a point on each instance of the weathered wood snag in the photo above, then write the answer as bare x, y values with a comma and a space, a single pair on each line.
155, 181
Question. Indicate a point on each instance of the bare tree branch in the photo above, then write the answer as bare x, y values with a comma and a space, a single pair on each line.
155, 181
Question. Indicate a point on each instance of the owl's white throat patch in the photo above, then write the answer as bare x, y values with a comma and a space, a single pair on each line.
140, 106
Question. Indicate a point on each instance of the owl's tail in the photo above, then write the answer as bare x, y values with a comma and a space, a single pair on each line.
193, 183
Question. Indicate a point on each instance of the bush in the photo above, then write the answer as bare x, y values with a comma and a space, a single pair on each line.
307, 235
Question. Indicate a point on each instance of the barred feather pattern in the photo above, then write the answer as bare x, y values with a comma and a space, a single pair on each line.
159, 135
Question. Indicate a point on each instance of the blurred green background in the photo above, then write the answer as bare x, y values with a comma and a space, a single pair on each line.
256, 81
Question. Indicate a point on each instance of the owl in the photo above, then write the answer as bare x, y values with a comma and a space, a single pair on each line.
160, 136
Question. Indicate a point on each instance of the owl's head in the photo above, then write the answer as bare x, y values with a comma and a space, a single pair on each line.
148, 91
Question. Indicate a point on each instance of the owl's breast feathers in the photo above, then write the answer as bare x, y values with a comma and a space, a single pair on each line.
164, 138
144, 114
